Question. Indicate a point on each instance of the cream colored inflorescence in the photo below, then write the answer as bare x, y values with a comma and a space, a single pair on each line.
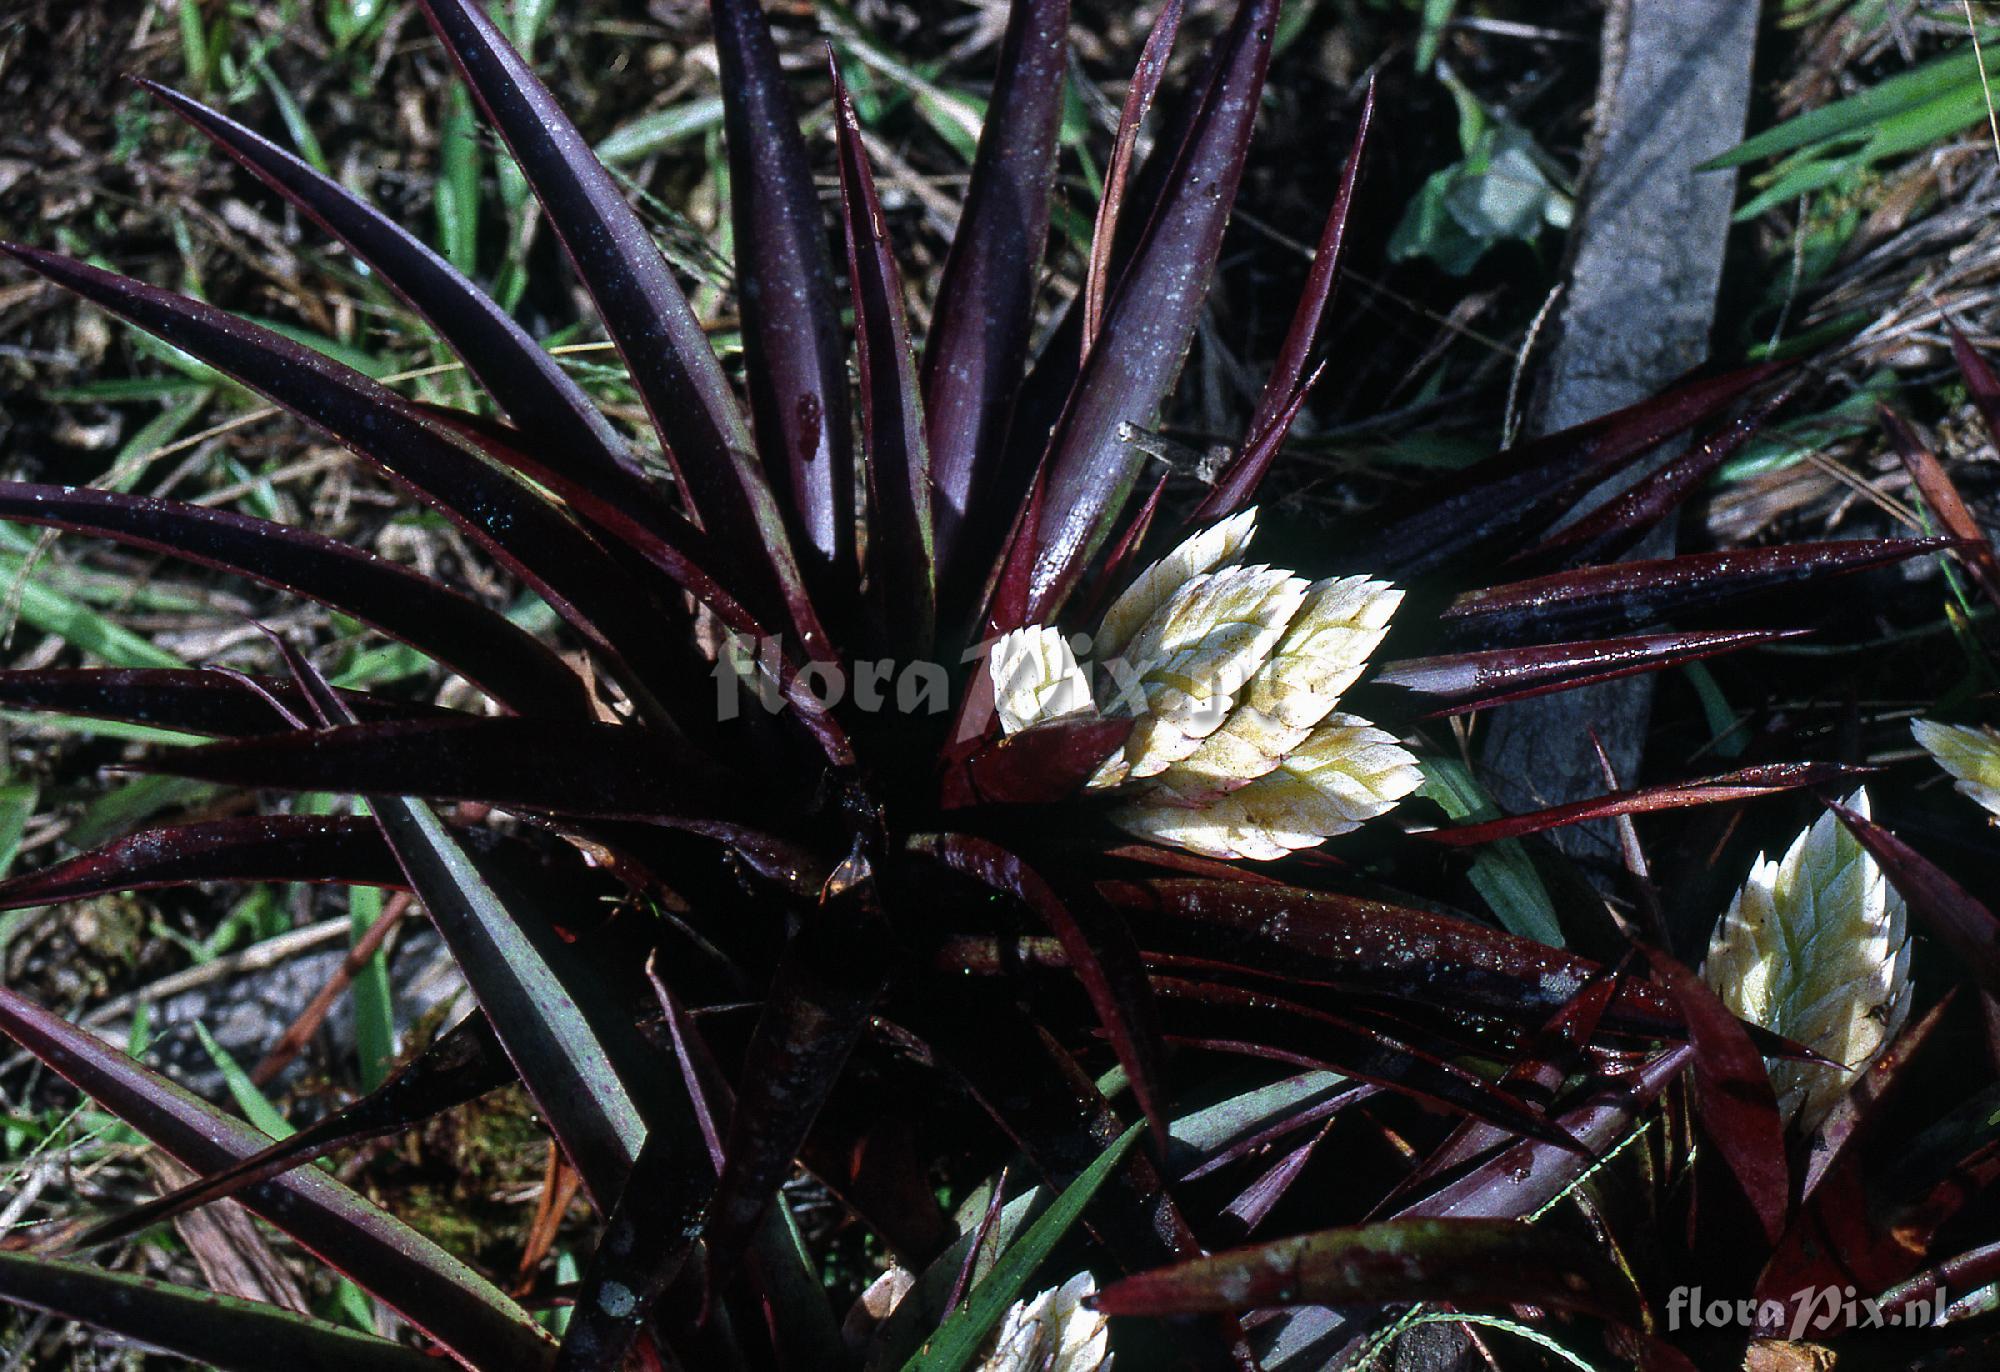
1972, 754
1231, 674
1053, 1332
1814, 948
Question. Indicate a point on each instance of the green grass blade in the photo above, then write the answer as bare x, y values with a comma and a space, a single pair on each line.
1880, 102
1502, 872
457, 192
254, 1104
296, 123
83, 628
374, 1012
646, 135
958, 1339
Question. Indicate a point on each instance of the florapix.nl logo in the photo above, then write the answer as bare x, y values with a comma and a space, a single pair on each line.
1811, 1310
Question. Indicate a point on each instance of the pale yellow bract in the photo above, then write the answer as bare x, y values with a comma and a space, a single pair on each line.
1814, 948
1231, 674
1052, 1332
1972, 754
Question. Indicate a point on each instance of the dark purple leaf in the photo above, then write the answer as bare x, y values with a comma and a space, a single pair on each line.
531, 536
1283, 391
507, 663
515, 370
1478, 680
1869, 1101
1470, 1263
902, 553
1149, 321
1621, 520
1037, 766
1632, 594
1496, 501
1372, 948
1743, 784
1739, 1109
436, 1292
985, 309
1264, 1025
794, 360
306, 848
1954, 916
832, 971
463, 1064
203, 1326
794, 1303
1560, 1048
1521, 1179
1139, 93
1940, 493
1254, 1204
1980, 382
610, 771
672, 366
684, 553
1247, 1125
1038, 1095
1101, 953
645, 1245
197, 702
575, 1048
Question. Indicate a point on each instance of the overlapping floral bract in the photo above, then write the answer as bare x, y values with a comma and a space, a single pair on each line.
1231, 675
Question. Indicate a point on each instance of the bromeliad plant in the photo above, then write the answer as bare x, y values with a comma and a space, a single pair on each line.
915, 898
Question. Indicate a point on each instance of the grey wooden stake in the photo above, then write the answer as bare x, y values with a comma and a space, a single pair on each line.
1645, 258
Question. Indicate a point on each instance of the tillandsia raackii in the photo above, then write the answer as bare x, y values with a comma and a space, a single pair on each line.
932, 867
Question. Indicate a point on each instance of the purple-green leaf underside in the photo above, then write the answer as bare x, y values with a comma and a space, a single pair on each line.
203, 1326
436, 1292
464, 1063
1373, 948
575, 1048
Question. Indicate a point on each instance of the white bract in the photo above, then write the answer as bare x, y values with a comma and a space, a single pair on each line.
1054, 1332
1968, 753
1230, 675
1814, 948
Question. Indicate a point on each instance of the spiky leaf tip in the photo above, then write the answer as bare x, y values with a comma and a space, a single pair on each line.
1815, 948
